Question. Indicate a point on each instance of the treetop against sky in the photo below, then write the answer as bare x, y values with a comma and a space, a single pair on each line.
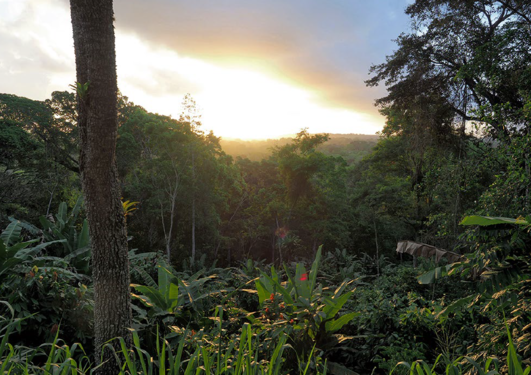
256, 69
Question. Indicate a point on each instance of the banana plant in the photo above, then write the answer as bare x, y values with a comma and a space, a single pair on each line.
63, 227
13, 250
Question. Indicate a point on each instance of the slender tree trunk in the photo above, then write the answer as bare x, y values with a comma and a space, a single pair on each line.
377, 248
193, 205
279, 241
273, 248
171, 190
228, 223
528, 173
92, 23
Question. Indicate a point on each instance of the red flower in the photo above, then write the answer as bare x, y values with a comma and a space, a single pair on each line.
282, 232
267, 310
272, 297
291, 321
304, 277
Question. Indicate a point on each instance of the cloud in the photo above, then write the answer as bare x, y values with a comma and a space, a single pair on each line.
166, 48
36, 52
327, 47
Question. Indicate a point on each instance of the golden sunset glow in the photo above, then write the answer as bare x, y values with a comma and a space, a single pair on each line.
249, 85
236, 103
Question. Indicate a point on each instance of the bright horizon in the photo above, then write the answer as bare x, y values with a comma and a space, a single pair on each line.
229, 99
255, 86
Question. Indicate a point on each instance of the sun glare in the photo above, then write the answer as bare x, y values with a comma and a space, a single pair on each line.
235, 103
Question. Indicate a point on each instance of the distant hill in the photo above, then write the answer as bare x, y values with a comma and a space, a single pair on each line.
352, 147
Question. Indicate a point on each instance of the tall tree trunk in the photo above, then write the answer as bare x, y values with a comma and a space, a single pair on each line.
92, 23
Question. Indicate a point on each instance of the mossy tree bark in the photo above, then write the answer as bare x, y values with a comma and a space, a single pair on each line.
92, 23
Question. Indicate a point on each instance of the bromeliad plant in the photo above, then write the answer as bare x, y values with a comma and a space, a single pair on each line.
172, 299
309, 311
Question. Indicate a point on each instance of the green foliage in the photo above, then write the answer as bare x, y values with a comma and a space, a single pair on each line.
41, 288
81, 89
351, 147
175, 299
56, 358
489, 220
68, 229
163, 297
181, 179
14, 251
194, 353
38, 157
310, 313
240, 357
463, 365
197, 206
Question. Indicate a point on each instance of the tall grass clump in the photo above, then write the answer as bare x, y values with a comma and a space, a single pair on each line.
467, 365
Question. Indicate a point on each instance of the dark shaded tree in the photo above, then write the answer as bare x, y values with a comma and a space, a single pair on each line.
93, 30
472, 57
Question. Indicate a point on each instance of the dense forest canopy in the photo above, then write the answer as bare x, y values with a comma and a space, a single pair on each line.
220, 231
351, 147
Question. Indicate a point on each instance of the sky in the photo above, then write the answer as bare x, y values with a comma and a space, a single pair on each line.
256, 68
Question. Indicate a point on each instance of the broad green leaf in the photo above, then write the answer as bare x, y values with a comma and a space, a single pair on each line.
9, 264
153, 295
45, 224
263, 293
491, 220
333, 306
24, 253
29, 227
19, 246
434, 274
458, 304
515, 367
83, 239
163, 280
173, 296
12, 233
61, 214
336, 324
315, 266
302, 282
3, 250
341, 288
77, 207
285, 292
